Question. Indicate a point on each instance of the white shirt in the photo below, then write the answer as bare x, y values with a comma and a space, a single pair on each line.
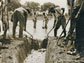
21, 9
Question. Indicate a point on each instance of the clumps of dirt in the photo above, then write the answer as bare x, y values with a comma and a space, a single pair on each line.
36, 56
5, 41
56, 54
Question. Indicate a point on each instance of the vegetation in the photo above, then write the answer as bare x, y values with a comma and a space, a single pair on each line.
46, 6
33, 5
13, 5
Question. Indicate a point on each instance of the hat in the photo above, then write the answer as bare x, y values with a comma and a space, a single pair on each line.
52, 10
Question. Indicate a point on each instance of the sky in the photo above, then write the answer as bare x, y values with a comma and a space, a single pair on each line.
61, 3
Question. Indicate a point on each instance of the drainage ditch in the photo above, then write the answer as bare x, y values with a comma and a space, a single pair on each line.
18, 49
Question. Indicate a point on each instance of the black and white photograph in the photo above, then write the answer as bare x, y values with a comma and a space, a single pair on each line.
41, 31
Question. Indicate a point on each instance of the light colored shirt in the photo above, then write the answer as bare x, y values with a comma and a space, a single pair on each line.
21, 9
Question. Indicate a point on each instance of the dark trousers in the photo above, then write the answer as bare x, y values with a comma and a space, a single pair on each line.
46, 22
59, 23
18, 17
35, 23
6, 26
14, 27
20, 30
80, 34
55, 32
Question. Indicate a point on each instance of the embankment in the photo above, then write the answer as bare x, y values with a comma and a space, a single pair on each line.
17, 50
56, 54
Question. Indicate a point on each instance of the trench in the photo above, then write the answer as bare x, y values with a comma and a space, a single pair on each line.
36, 56
24, 51
18, 50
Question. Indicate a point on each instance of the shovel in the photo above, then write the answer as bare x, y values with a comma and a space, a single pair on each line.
45, 41
30, 35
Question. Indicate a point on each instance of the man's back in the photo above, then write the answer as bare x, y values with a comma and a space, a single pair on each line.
21, 10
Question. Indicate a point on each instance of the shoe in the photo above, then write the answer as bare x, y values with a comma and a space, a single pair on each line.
43, 27
78, 57
71, 52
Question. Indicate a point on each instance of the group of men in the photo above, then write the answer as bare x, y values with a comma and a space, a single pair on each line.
77, 24
45, 20
20, 15
76, 18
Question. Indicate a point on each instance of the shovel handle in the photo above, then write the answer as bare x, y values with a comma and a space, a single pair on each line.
29, 34
50, 31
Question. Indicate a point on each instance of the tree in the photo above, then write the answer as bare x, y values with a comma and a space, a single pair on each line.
33, 5
46, 6
13, 5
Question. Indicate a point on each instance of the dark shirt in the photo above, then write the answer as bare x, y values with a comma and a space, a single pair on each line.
80, 25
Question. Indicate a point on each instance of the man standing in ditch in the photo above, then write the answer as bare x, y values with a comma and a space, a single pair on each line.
80, 27
35, 20
78, 22
45, 20
19, 15
61, 21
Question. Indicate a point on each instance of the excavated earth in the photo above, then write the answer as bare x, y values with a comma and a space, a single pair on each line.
25, 51
16, 50
56, 54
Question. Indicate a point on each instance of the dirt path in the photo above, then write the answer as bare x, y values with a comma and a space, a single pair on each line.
36, 56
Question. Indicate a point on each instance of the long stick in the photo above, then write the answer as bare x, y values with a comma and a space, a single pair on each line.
79, 10
50, 31
29, 34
